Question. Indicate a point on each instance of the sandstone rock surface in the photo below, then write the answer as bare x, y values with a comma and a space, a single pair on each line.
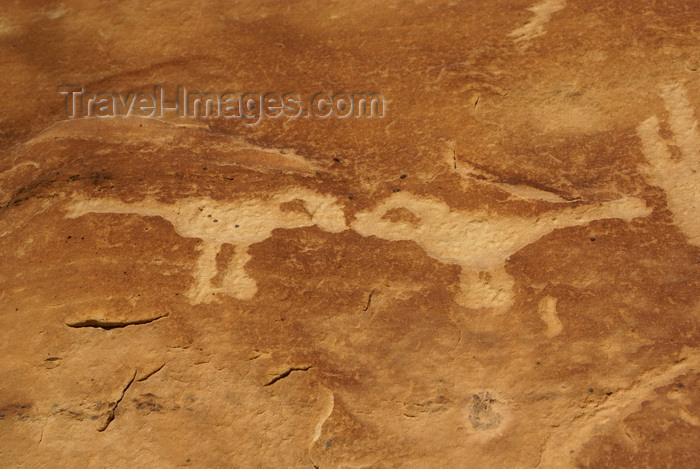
503, 271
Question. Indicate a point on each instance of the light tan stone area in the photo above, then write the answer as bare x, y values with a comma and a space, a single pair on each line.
480, 243
502, 272
673, 163
535, 27
238, 224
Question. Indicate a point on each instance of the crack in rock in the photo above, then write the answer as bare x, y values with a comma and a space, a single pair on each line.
112, 324
112, 411
150, 373
285, 374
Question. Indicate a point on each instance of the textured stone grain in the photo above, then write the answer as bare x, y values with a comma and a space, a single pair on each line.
502, 272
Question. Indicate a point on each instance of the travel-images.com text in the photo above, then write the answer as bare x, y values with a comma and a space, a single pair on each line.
250, 108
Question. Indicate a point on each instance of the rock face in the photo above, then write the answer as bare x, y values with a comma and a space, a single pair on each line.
502, 271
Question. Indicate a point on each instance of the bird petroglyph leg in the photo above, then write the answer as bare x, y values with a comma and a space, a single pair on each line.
240, 223
479, 242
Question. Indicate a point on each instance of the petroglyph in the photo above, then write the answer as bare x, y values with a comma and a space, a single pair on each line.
480, 242
674, 161
240, 223
483, 416
548, 312
327, 411
543, 12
